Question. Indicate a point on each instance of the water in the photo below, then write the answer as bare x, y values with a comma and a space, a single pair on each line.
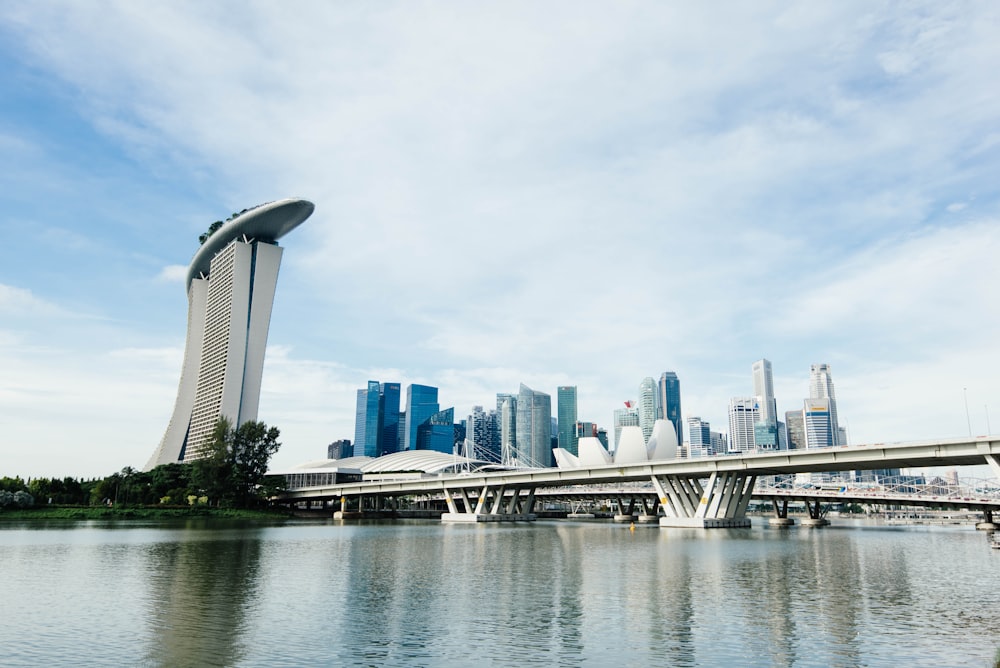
210, 593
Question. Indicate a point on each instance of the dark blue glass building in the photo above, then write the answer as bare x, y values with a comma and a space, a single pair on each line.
421, 404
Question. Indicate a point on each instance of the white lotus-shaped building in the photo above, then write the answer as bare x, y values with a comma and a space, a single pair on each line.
632, 448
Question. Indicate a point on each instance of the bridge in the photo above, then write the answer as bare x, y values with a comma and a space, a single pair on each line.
704, 492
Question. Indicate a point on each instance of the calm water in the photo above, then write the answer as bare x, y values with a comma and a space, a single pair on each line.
549, 593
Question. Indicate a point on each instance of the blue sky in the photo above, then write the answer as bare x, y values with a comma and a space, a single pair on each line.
548, 193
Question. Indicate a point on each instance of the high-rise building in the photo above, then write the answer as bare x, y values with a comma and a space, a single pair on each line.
483, 429
625, 417
339, 449
230, 287
818, 423
795, 430
585, 430
376, 425
763, 387
821, 387
507, 415
700, 437
437, 432
421, 404
534, 427
647, 406
366, 421
566, 411
744, 413
720, 442
669, 402
388, 411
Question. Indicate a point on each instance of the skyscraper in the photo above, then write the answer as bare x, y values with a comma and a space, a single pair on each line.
744, 413
437, 432
566, 410
817, 421
230, 285
647, 406
625, 417
421, 404
763, 387
534, 427
821, 387
483, 429
700, 437
366, 421
507, 414
669, 402
795, 430
388, 410
376, 423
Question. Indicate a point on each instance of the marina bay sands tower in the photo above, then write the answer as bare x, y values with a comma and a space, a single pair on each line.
230, 286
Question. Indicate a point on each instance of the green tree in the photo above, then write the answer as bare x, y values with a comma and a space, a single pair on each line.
12, 485
235, 462
212, 229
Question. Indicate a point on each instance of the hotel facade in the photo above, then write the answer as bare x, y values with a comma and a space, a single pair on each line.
230, 285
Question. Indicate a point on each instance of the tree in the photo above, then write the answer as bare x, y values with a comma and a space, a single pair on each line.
212, 229
235, 461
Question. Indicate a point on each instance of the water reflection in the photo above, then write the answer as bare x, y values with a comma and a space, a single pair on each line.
201, 587
551, 593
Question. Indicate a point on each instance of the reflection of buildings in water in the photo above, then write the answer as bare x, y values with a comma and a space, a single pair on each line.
886, 579
380, 592
201, 590
795, 586
669, 607
831, 573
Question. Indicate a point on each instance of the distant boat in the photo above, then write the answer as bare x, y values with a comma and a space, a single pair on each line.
995, 540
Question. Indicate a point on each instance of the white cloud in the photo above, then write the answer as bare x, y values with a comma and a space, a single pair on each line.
512, 193
173, 273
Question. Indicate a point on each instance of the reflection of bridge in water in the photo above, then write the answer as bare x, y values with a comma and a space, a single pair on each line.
703, 492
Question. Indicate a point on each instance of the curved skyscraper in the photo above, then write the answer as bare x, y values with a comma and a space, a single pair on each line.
230, 286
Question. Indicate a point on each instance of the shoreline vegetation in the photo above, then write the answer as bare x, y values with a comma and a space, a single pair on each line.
54, 512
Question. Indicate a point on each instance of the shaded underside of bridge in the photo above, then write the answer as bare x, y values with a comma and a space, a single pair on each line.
707, 492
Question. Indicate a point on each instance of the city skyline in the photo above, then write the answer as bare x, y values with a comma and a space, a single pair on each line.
499, 203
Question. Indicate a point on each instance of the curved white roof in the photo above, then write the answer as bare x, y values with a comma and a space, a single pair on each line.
426, 461
345, 463
267, 222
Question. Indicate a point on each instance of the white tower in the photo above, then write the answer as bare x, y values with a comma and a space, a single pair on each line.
763, 387
647, 407
231, 283
821, 387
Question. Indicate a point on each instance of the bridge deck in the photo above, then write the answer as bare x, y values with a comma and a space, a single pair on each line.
953, 452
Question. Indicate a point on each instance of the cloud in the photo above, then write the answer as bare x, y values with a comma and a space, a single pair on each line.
509, 193
173, 273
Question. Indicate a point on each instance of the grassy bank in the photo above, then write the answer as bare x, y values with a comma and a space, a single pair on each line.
136, 512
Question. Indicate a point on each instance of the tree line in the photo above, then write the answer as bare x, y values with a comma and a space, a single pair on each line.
231, 473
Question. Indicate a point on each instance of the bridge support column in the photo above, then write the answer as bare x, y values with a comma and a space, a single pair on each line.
650, 511
781, 518
722, 503
624, 514
490, 504
987, 524
815, 518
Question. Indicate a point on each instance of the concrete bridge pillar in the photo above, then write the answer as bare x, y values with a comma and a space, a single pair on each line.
815, 518
987, 524
781, 518
721, 503
489, 504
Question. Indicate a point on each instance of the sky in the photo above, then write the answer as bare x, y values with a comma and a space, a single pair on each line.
557, 193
